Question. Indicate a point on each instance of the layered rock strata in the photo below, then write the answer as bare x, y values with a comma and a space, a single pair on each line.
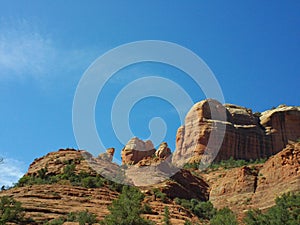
219, 132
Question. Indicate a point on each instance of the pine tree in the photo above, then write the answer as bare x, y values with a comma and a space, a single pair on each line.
224, 217
126, 209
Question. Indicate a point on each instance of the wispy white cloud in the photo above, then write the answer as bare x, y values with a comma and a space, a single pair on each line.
27, 52
11, 170
24, 51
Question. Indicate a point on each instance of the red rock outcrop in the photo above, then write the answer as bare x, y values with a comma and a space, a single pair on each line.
256, 186
54, 163
163, 151
282, 125
108, 155
280, 174
45, 202
220, 132
135, 150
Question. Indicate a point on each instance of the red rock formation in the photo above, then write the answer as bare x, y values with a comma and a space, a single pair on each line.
280, 174
234, 131
108, 155
49, 201
135, 150
163, 151
282, 125
205, 118
256, 186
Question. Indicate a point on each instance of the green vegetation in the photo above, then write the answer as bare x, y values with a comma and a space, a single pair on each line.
286, 211
127, 209
69, 176
257, 114
226, 164
158, 194
206, 211
12, 211
224, 217
166, 219
83, 217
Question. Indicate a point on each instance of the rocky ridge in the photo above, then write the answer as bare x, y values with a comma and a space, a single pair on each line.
49, 201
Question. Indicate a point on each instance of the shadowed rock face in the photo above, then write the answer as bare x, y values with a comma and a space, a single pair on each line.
235, 131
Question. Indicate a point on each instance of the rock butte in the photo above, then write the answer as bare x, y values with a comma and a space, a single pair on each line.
235, 131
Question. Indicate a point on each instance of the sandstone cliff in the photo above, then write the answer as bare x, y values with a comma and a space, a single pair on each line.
256, 186
234, 131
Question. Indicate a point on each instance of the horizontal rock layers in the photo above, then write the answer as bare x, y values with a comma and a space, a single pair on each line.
224, 131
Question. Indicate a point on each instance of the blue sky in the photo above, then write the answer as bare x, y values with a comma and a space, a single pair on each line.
252, 47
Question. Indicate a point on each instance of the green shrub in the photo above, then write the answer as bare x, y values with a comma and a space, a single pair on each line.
92, 182
286, 211
83, 217
166, 219
10, 210
191, 166
147, 209
203, 210
162, 196
126, 209
177, 201
224, 217
83, 179
226, 164
232, 163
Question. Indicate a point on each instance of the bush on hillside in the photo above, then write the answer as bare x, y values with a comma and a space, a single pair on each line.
224, 217
286, 211
83, 217
226, 164
12, 211
127, 209
82, 179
